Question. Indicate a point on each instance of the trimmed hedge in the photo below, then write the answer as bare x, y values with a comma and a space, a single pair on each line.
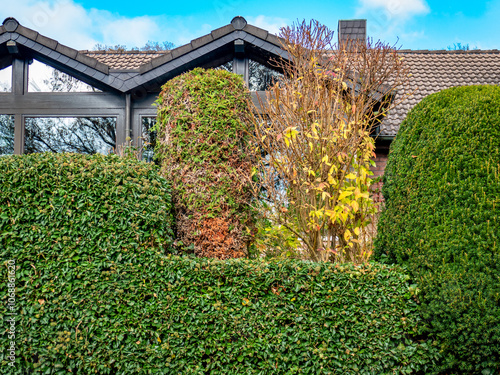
202, 146
81, 205
69, 221
442, 220
147, 313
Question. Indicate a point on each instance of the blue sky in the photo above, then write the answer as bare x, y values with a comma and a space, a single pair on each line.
413, 24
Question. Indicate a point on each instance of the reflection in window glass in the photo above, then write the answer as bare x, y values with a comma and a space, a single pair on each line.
44, 78
6, 79
148, 138
6, 135
260, 77
227, 66
84, 135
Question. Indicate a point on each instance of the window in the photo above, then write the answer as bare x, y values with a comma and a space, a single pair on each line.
148, 138
226, 66
6, 79
261, 77
43, 78
84, 135
6, 135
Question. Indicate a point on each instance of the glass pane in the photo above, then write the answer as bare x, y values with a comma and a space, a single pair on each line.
261, 77
6, 79
44, 78
148, 138
227, 66
6, 135
83, 135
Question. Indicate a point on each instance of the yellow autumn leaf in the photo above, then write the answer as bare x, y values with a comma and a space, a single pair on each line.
351, 176
356, 231
347, 235
355, 206
344, 194
356, 193
313, 126
291, 132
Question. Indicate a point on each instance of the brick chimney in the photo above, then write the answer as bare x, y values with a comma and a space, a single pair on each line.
351, 30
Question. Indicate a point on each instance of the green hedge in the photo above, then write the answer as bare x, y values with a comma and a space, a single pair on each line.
81, 205
146, 313
442, 220
96, 294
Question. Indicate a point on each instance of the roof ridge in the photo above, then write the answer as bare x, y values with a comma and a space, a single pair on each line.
437, 51
131, 52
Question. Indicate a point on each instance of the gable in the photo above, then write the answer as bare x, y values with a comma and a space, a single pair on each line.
143, 71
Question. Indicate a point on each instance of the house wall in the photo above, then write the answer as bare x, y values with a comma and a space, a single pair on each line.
382, 147
378, 172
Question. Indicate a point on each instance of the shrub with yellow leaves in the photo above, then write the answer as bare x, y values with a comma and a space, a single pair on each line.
314, 133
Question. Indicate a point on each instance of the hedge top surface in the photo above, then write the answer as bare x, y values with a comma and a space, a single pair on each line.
91, 204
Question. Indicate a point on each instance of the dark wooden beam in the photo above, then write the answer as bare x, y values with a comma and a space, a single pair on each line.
62, 104
128, 115
240, 61
18, 134
19, 77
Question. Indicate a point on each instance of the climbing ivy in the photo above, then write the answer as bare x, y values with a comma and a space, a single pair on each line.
202, 148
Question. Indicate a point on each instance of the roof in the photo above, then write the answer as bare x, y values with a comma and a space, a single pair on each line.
127, 72
433, 71
131, 71
129, 60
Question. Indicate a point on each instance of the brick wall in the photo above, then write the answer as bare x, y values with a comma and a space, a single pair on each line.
378, 171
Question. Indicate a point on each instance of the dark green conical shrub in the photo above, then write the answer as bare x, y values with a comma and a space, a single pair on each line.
442, 220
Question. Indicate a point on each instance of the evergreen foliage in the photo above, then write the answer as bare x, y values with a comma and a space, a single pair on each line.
146, 313
81, 231
86, 204
202, 147
442, 220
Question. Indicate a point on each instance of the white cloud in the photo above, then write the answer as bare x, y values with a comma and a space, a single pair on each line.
387, 19
64, 21
401, 9
80, 28
77, 27
114, 31
271, 24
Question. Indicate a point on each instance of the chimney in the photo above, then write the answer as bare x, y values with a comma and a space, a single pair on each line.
354, 30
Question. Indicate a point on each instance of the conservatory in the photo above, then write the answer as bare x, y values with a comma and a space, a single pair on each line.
55, 98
